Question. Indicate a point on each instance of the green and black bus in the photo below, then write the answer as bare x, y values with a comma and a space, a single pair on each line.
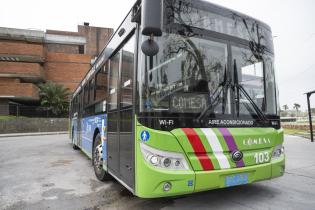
182, 99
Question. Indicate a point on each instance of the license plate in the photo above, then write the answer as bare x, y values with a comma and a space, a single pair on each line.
236, 179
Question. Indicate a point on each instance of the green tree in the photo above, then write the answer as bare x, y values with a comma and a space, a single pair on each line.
285, 107
296, 107
54, 97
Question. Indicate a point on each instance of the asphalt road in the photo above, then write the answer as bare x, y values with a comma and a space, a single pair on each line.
43, 172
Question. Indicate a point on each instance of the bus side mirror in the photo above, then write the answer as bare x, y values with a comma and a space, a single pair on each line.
150, 47
151, 18
151, 21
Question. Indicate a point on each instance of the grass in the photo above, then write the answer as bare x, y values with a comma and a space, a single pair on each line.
293, 131
304, 122
297, 132
6, 118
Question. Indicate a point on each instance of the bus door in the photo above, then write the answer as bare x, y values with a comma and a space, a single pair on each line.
120, 114
80, 113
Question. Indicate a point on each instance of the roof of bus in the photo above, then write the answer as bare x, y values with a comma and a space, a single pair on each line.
201, 1
234, 11
115, 32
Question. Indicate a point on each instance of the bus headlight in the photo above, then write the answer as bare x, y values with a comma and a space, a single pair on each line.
163, 159
278, 151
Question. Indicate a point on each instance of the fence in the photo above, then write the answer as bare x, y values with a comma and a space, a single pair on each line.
16, 118
30, 125
17, 110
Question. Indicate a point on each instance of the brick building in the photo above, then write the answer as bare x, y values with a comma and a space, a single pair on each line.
30, 57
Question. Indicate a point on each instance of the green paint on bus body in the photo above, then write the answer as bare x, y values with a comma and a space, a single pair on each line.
186, 146
149, 179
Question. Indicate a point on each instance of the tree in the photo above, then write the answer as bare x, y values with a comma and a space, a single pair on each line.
284, 112
285, 107
296, 107
54, 97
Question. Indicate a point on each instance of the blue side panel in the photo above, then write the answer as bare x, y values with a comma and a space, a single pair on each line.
89, 125
104, 140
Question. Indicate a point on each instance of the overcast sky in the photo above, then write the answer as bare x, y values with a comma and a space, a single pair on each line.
292, 22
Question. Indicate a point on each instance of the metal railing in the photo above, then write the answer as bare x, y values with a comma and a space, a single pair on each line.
18, 110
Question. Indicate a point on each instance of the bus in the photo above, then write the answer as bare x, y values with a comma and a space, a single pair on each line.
182, 99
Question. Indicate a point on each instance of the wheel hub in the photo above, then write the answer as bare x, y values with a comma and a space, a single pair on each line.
98, 160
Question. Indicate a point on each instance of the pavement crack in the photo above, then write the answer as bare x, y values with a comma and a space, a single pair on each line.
303, 167
244, 205
300, 175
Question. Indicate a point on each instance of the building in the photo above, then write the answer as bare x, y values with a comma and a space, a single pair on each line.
31, 57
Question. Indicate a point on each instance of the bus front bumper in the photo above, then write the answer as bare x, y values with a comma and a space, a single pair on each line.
190, 181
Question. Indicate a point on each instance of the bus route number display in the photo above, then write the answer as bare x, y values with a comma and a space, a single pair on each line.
188, 102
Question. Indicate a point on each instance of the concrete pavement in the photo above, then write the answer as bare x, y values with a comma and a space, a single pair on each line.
32, 134
43, 172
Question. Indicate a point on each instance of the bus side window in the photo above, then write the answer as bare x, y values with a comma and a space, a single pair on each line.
75, 105
113, 82
86, 95
101, 83
91, 90
80, 102
127, 70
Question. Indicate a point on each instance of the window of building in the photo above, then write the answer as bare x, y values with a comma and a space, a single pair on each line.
81, 49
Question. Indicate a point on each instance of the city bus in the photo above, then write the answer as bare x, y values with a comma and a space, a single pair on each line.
182, 99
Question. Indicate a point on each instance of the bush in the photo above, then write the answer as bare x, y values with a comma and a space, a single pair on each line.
54, 97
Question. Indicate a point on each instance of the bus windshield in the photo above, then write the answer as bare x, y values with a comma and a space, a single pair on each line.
202, 57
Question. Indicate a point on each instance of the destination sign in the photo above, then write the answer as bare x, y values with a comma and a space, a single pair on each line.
188, 103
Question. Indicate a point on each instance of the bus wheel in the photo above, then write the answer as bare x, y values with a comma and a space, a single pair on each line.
100, 173
75, 147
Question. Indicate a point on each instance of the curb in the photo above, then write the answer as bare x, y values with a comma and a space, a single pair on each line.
32, 134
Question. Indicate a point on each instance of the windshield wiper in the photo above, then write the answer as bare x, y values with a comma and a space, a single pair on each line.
260, 114
239, 88
223, 85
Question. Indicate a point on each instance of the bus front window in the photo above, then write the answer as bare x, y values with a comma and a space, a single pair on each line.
204, 57
256, 75
192, 75
185, 76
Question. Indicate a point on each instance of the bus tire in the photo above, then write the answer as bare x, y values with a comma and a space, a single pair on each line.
97, 160
75, 147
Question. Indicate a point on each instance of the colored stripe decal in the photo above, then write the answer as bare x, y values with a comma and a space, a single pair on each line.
216, 147
199, 149
231, 144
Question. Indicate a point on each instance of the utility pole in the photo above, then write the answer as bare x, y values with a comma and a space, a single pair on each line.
309, 94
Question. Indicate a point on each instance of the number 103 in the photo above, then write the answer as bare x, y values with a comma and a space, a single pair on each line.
262, 157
